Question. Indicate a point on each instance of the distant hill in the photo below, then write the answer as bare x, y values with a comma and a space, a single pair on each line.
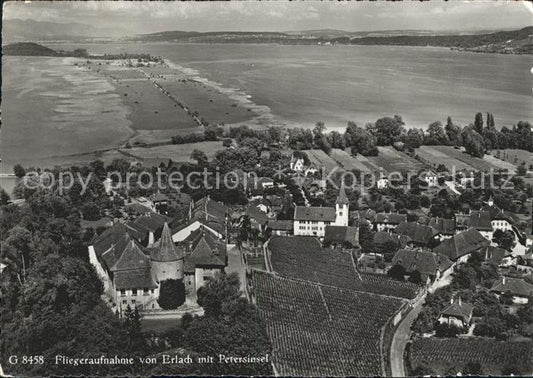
16, 30
513, 42
28, 49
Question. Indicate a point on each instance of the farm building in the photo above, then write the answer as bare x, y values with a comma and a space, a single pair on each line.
420, 235
520, 289
460, 246
388, 221
430, 265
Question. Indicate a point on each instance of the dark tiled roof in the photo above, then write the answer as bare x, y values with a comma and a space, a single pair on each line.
111, 256
382, 237
462, 244
493, 254
368, 214
341, 234
319, 214
255, 213
443, 225
390, 218
480, 220
425, 262
418, 233
134, 279
158, 197
281, 225
166, 250
131, 258
459, 309
110, 236
137, 208
210, 210
517, 286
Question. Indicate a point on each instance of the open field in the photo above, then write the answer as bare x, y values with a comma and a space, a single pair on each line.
392, 160
435, 157
516, 157
477, 164
175, 152
441, 355
321, 159
347, 161
318, 330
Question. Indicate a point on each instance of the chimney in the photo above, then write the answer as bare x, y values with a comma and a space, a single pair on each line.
459, 301
451, 300
503, 280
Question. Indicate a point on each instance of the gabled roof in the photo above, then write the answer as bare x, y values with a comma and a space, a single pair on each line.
108, 238
158, 197
427, 263
462, 244
134, 279
517, 286
147, 223
390, 218
382, 237
207, 251
443, 225
368, 214
166, 251
418, 233
459, 309
319, 214
132, 258
209, 210
137, 208
281, 225
341, 234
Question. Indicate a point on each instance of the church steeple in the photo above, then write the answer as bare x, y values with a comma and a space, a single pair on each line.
342, 199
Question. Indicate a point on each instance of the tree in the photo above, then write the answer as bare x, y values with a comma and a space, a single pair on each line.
415, 277
19, 170
473, 368
253, 143
387, 130
397, 272
453, 132
218, 293
361, 141
521, 170
90, 211
473, 142
490, 122
436, 134
199, 156
478, 123
227, 142
504, 239
171, 294
4, 197
414, 139
132, 325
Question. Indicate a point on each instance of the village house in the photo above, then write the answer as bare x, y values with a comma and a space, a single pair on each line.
297, 164
494, 255
431, 178
160, 202
445, 227
312, 221
258, 219
520, 289
460, 246
281, 227
457, 313
382, 237
478, 220
430, 265
420, 235
382, 182
341, 237
388, 221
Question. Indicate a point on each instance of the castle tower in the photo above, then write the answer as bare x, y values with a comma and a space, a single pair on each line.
342, 208
167, 259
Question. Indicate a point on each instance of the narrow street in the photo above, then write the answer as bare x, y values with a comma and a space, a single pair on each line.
400, 338
235, 264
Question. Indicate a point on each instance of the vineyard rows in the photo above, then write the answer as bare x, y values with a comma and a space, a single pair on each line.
319, 330
304, 258
484, 351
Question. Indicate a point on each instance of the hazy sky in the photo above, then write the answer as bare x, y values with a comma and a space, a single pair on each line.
147, 17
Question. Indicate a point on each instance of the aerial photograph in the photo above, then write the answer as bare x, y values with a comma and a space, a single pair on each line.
266, 188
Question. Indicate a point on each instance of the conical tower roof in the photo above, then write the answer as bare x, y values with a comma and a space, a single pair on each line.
166, 251
342, 199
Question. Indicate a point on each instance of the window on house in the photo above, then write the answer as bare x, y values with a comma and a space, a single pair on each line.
124, 302
134, 292
122, 292
145, 291
152, 291
133, 301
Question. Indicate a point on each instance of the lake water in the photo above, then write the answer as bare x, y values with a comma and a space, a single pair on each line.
300, 85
